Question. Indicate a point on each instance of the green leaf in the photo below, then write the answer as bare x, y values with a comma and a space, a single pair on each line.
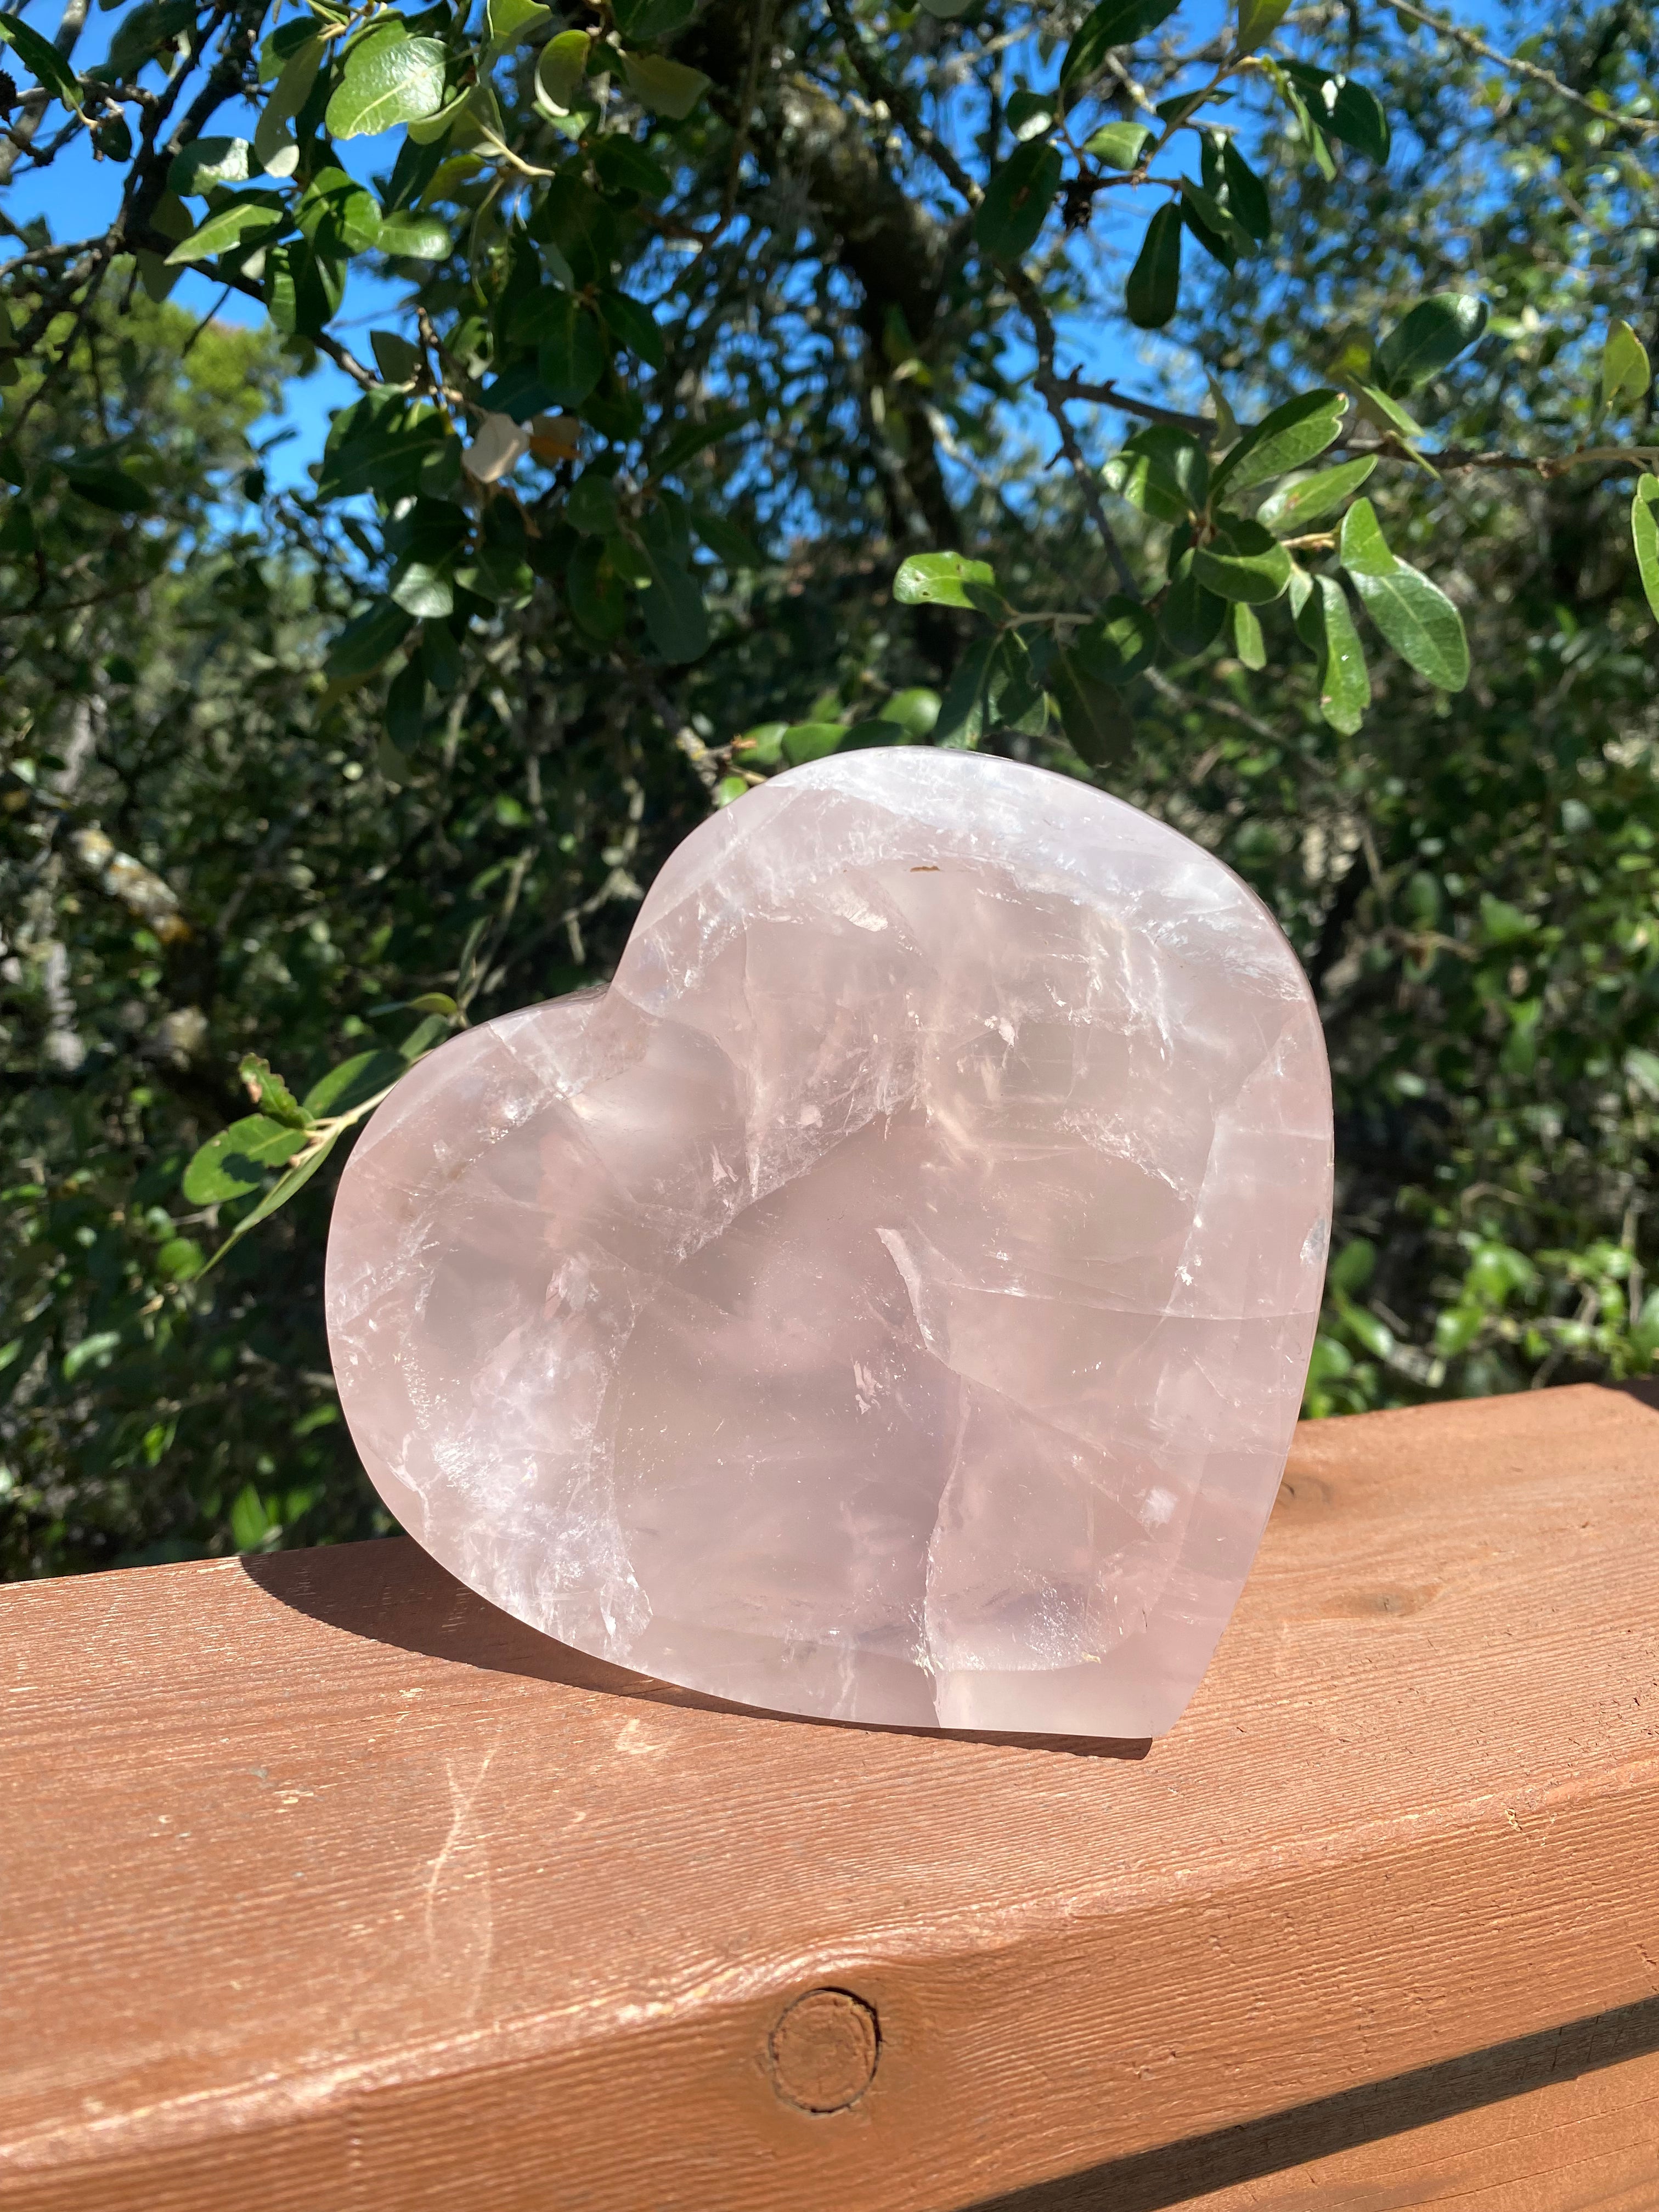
1257, 21
508, 22
560, 69
1375, 1335
145, 31
1353, 1267
280, 46
946, 579
1154, 286
652, 19
41, 58
591, 506
622, 166
278, 1195
1092, 713
1644, 531
405, 705
274, 149
270, 1094
1118, 145
1112, 23
732, 547
1118, 644
1164, 472
1503, 924
304, 286
433, 130
235, 1161
667, 88
1626, 371
1215, 227
415, 238
692, 438
390, 78
1344, 109
965, 711
426, 593
1248, 641
180, 1260
1356, 117
1325, 625
396, 357
256, 215
598, 598
337, 216
635, 325
1291, 436
352, 1083
110, 488
91, 1351
1018, 698
196, 168
676, 619
497, 574
1017, 199
1361, 547
809, 741
363, 644
249, 1524
1311, 497
1243, 561
914, 711
1429, 339
381, 444
1415, 615
1192, 616
1386, 412
570, 349
1031, 114
1247, 196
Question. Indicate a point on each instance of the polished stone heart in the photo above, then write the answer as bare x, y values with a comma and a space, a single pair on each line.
891, 1299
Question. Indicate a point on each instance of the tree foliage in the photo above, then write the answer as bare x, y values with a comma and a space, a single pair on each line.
756, 393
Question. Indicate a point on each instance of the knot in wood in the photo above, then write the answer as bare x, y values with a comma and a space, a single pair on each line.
824, 2050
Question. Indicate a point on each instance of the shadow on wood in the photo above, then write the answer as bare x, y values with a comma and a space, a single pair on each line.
1177, 2173
394, 1593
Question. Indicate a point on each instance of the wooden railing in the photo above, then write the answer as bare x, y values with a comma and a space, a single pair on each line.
328, 1889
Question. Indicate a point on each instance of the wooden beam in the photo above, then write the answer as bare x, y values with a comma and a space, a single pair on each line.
327, 1888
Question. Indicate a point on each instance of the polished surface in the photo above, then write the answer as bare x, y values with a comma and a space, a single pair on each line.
891, 1299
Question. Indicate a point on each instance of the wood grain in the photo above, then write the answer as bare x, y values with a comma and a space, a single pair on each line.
326, 1888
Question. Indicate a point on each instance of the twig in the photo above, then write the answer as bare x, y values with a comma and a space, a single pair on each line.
1641, 125
1107, 395
184, 349
898, 103
760, 27
1053, 392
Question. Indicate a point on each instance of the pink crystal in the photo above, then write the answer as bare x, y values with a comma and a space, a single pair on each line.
891, 1299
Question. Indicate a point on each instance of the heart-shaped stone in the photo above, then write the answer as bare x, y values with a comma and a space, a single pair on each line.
891, 1299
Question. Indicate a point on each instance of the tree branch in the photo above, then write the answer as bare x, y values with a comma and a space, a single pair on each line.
1640, 126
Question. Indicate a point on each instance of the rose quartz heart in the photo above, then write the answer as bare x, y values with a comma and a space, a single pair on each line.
891, 1299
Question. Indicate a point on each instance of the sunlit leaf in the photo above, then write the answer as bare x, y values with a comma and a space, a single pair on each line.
1644, 531
390, 78
235, 1161
946, 579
